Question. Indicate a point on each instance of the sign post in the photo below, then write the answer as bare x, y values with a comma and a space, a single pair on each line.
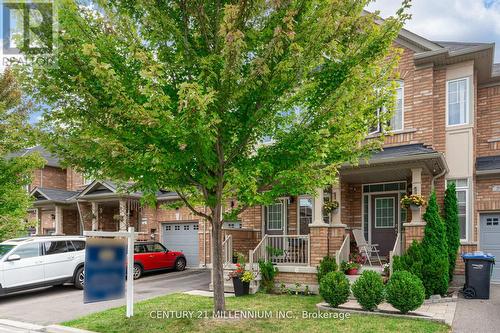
105, 264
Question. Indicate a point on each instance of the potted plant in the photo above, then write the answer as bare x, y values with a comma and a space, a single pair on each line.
241, 280
350, 267
413, 201
330, 206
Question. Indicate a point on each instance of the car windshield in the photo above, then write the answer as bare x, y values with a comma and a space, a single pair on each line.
4, 249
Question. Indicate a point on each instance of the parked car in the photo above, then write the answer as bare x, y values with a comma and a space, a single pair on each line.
33, 262
152, 256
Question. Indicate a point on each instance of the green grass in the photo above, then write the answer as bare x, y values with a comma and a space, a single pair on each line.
114, 320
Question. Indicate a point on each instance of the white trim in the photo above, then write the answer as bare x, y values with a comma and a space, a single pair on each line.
467, 102
468, 203
401, 86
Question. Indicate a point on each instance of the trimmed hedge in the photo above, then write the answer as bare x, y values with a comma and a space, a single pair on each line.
405, 291
326, 265
369, 290
334, 288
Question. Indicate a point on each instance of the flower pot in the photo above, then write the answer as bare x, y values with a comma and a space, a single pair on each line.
352, 271
240, 288
414, 208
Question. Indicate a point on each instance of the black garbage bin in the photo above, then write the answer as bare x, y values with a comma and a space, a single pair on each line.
478, 270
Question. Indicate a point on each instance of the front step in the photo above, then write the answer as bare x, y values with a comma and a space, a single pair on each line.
377, 269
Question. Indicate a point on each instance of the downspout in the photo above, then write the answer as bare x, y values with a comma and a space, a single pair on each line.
439, 175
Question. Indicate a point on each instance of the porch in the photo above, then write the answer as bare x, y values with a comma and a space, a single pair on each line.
297, 232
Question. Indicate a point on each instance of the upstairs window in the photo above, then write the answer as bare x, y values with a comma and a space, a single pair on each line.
396, 121
458, 101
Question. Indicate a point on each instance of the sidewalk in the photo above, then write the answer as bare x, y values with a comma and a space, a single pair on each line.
12, 326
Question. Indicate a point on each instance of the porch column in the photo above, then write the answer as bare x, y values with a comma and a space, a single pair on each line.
59, 220
95, 216
415, 229
38, 227
123, 215
336, 196
416, 185
318, 208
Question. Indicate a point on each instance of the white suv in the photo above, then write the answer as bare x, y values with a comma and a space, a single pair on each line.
34, 262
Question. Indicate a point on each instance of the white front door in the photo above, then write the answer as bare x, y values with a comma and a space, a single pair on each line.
25, 271
58, 260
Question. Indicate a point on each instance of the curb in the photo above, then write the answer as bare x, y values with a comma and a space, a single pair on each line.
22, 325
64, 329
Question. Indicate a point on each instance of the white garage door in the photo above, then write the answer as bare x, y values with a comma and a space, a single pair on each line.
490, 240
182, 237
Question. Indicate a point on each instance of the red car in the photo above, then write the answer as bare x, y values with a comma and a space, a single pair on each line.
152, 256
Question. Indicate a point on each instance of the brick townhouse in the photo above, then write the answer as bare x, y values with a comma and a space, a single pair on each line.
446, 128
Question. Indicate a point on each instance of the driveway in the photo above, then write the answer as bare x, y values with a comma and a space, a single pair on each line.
57, 304
478, 315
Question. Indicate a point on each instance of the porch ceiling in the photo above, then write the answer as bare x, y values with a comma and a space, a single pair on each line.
390, 171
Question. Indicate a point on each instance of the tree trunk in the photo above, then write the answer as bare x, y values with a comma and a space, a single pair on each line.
217, 265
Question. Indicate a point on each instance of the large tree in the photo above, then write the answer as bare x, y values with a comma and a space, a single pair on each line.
180, 95
15, 172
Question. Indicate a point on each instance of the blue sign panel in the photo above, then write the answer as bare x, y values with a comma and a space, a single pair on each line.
105, 270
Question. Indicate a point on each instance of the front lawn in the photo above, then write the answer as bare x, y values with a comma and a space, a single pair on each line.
114, 320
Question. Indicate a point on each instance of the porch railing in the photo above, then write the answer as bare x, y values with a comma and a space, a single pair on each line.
343, 253
283, 250
227, 250
396, 251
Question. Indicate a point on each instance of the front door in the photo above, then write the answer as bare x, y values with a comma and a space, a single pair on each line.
384, 221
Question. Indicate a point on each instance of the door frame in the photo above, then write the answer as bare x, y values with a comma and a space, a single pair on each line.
369, 194
285, 205
303, 196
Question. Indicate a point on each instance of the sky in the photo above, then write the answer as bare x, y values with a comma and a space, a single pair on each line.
450, 20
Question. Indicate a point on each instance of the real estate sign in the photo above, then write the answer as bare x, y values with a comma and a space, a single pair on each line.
105, 269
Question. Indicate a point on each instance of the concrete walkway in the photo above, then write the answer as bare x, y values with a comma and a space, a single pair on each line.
476, 315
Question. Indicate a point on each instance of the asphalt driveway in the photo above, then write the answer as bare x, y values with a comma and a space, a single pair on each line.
57, 304
478, 315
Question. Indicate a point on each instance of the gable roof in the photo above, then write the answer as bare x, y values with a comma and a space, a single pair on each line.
51, 159
53, 195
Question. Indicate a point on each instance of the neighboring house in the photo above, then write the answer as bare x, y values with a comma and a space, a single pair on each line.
446, 129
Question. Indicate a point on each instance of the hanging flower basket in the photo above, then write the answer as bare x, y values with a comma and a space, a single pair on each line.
413, 201
330, 206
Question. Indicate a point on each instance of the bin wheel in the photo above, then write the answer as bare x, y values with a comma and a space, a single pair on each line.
469, 293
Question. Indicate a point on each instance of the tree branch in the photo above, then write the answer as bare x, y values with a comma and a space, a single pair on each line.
188, 205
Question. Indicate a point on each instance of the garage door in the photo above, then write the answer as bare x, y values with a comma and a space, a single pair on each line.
490, 240
182, 237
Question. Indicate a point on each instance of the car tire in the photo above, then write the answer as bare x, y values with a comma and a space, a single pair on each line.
137, 271
79, 278
180, 264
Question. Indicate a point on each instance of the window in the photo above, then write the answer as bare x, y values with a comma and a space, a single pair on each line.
139, 249
396, 123
384, 187
365, 215
327, 197
168, 228
195, 227
186, 227
458, 101
177, 227
55, 247
79, 245
155, 247
305, 211
275, 216
397, 119
462, 190
384, 212
28, 250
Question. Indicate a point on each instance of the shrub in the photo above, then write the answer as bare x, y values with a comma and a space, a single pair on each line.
412, 261
435, 251
369, 290
334, 288
451, 226
405, 291
326, 265
267, 272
